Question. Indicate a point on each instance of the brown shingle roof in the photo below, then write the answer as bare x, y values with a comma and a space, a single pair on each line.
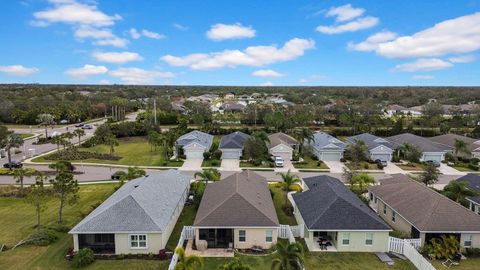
427, 210
240, 200
279, 138
449, 139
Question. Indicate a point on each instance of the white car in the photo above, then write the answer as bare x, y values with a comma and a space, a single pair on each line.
278, 161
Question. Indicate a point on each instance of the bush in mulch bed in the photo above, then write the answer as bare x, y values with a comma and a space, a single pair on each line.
73, 154
12, 191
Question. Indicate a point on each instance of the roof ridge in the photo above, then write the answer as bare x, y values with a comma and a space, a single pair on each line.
216, 207
256, 208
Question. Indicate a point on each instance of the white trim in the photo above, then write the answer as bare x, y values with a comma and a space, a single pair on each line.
244, 236
138, 241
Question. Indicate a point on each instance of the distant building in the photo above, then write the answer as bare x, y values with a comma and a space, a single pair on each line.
229, 96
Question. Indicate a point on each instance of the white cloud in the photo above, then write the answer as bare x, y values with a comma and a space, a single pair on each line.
134, 33
455, 36
372, 42
139, 76
424, 64
18, 70
462, 59
267, 73
72, 12
117, 57
344, 13
100, 36
86, 71
150, 34
351, 26
312, 79
219, 32
180, 27
251, 56
423, 77
266, 84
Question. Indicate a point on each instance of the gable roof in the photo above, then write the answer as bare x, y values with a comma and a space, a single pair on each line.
280, 138
424, 208
195, 136
240, 200
423, 144
329, 205
473, 183
234, 140
449, 141
324, 141
145, 204
372, 141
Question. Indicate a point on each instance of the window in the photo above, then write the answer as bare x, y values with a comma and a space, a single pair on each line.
369, 239
371, 196
242, 236
138, 241
384, 209
269, 236
394, 216
346, 239
467, 242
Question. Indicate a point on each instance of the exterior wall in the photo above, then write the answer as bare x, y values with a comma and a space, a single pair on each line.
75, 242
357, 242
173, 220
286, 152
400, 224
231, 153
438, 156
255, 237
474, 207
154, 244
475, 239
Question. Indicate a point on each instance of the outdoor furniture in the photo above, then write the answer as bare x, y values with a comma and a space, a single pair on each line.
256, 249
448, 263
230, 247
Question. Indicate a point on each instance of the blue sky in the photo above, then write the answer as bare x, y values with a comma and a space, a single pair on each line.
241, 42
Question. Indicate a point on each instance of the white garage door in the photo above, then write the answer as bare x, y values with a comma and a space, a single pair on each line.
331, 156
194, 154
231, 154
432, 157
284, 155
382, 157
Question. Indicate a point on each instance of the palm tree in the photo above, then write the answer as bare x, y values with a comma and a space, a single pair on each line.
191, 262
261, 135
46, 120
79, 133
362, 180
208, 175
66, 137
289, 180
62, 166
460, 147
235, 264
111, 141
58, 140
20, 174
458, 191
303, 135
409, 152
13, 141
289, 256
357, 152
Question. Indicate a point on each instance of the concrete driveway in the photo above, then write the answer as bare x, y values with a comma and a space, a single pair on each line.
447, 170
192, 164
287, 166
393, 169
335, 166
230, 165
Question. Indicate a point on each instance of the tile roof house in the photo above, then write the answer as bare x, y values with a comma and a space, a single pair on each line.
448, 140
473, 183
395, 109
282, 145
237, 211
429, 149
414, 208
194, 143
138, 218
378, 148
232, 144
330, 211
326, 147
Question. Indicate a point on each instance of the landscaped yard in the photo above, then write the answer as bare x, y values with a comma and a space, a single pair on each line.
25, 135
266, 164
279, 202
134, 151
411, 166
363, 166
309, 163
211, 163
186, 218
468, 264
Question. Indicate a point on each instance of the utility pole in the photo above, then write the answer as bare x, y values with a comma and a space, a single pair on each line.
155, 111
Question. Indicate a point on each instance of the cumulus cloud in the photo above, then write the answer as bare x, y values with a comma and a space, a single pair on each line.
424, 64
18, 70
139, 76
219, 32
251, 56
352, 26
462, 59
267, 73
101, 37
180, 27
117, 57
86, 71
134, 33
372, 42
423, 77
146, 33
344, 13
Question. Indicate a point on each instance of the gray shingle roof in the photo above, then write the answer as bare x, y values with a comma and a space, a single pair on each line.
427, 210
195, 136
234, 140
449, 141
329, 205
324, 141
473, 183
240, 200
144, 204
371, 141
280, 138
423, 144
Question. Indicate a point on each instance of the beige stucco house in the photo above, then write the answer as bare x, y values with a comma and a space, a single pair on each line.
237, 212
138, 218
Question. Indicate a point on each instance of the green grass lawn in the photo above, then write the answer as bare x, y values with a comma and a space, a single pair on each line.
25, 135
208, 163
134, 151
468, 264
186, 218
364, 166
310, 163
279, 202
411, 166
266, 164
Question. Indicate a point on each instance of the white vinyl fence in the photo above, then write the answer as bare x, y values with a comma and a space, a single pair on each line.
409, 248
188, 232
285, 232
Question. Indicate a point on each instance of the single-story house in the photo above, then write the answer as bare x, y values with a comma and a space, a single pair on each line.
331, 213
194, 143
473, 183
409, 206
233, 107
237, 212
395, 109
138, 218
282, 145
326, 147
232, 144
378, 148
430, 150
448, 140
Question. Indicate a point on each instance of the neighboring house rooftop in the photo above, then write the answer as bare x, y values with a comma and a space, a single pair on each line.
473, 183
449, 141
324, 141
424, 208
329, 205
396, 107
280, 138
234, 140
372, 141
195, 136
240, 200
423, 144
234, 106
145, 204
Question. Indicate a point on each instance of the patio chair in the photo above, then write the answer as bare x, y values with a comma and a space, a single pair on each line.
448, 263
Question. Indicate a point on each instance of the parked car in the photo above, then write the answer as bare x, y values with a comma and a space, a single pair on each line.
13, 165
433, 162
63, 121
278, 161
381, 162
79, 125
116, 175
87, 127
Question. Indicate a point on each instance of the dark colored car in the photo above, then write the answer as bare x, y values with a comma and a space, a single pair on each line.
381, 162
116, 175
79, 125
13, 165
433, 162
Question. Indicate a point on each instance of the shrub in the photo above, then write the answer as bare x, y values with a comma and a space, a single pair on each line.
62, 228
207, 155
366, 166
380, 166
473, 167
295, 187
215, 163
4, 171
395, 158
449, 157
74, 154
84, 257
120, 256
399, 234
319, 163
217, 154
256, 162
473, 252
13, 191
474, 160
44, 237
